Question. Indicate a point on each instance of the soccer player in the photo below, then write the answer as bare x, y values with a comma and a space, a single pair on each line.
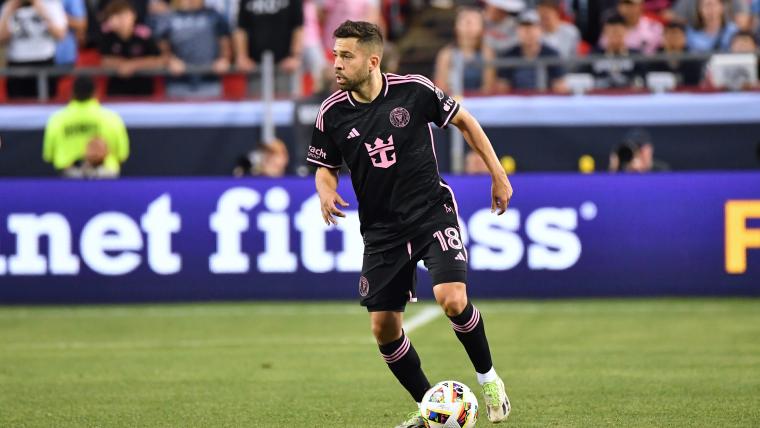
379, 125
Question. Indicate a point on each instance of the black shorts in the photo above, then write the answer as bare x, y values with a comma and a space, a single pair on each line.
389, 277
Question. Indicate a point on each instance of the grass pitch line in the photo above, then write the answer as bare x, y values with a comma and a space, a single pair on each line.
412, 323
425, 316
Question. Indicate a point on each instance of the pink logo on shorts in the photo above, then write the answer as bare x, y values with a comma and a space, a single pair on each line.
363, 287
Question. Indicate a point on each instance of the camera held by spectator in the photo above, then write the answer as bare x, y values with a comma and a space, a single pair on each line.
268, 160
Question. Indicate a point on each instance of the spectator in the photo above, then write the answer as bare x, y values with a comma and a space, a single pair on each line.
128, 48
739, 77
227, 8
31, 29
84, 139
589, 15
197, 36
641, 140
68, 49
712, 32
660, 8
737, 11
468, 50
688, 72
615, 68
269, 26
501, 23
335, 12
625, 158
474, 164
643, 33
559, 35
744, 42
313, 56
148, 12
530, 48
268, 160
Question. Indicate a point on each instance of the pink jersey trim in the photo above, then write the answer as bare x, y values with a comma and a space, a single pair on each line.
322, 164
456, 211
326, 104
453, 110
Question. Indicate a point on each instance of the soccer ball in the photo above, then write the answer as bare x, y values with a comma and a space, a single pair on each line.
449, 404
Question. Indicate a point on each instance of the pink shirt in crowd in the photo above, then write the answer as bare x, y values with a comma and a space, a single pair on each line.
645, 37
311, 31
337, 11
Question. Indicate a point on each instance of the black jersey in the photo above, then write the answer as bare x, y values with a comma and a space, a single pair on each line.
388, 147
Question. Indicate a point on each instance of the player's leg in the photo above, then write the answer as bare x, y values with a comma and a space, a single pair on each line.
446, 260
470, 329
386, 282
399, 353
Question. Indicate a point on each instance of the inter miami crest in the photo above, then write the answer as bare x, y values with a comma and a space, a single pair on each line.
363, 287
399, 117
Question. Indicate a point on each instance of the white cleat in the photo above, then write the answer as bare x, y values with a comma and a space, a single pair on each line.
497, 402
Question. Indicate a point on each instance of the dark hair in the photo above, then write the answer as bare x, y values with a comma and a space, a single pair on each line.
366, 32
554, 4
637, 137
615, 19
675, 24
701, 21
743, 33
84, 88
116, 6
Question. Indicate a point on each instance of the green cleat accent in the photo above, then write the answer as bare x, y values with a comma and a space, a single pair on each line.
497, 402
413, 420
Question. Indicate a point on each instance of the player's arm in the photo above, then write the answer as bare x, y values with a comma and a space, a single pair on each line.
501, 189
327, 187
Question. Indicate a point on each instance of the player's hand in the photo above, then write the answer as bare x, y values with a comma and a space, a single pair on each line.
501, 193
330, 208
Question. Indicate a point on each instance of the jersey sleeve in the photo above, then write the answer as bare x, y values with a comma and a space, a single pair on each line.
438, 106
323, 151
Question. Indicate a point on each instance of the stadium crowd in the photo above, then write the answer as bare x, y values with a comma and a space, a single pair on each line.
202, 45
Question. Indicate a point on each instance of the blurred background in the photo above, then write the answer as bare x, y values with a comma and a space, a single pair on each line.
622, 122
154, 151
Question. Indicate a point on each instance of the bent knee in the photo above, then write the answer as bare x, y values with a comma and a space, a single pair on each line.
453, 301
385, 332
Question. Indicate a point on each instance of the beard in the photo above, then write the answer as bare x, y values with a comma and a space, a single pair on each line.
353, 84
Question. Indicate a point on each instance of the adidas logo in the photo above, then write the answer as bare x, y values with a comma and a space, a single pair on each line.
352, 134
460, 256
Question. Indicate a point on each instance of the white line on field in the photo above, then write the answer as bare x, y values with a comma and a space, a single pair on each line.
425, 316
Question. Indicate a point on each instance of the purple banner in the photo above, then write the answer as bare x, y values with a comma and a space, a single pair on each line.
204, 239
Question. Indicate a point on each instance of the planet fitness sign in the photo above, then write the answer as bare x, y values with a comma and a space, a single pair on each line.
198, 239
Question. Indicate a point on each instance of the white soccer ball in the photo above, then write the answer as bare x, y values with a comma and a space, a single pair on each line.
449, 404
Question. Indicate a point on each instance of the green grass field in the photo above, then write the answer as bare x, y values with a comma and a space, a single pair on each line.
616, 363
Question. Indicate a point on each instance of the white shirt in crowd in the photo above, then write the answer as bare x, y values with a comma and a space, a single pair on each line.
30, 39
565, 40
